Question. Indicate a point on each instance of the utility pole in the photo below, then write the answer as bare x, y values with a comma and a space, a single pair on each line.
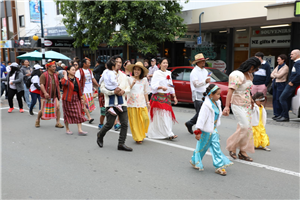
42, 35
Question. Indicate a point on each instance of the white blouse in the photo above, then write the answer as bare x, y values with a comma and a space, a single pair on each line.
136, 97
164, 79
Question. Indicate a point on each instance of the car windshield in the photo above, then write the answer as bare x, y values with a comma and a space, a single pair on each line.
217, 75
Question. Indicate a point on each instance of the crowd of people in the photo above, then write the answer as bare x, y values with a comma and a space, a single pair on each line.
140, 94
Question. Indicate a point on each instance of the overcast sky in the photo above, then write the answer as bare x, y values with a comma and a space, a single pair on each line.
196, 4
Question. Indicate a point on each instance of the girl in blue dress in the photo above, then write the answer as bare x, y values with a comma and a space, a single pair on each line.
207, 133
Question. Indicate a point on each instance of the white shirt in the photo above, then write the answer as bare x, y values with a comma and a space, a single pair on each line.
110, 79
198, 83
12, 78
151, 71
160, 79
34, 79
123, 84
88, 88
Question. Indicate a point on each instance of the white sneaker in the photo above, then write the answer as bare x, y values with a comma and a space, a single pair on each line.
112, 112
119, 107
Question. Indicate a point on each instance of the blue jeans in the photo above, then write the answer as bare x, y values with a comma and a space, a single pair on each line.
286, 98
34, 97
2, 89
112, 100
277, 91
26, 95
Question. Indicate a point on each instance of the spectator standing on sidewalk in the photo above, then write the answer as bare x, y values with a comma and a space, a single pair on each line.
289, 90
262, 77
26, 70
198, 82
279, 76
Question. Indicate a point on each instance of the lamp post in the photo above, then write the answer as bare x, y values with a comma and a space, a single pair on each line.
42, 34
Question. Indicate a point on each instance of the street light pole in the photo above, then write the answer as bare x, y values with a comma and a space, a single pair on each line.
42, 36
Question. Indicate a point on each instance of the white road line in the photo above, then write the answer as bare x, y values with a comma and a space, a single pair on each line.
4, 108
275, 169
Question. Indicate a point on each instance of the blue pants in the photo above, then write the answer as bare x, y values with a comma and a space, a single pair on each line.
2, 88
277, 91
34, 97
286, 98
112, 100
26, 95
211, 141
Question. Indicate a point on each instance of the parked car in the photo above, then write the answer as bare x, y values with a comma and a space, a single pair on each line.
181, 81
296, 103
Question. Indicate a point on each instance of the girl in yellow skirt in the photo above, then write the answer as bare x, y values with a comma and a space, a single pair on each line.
259, 117
138, 102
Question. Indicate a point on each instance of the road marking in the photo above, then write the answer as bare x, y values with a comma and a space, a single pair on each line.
275, 169
4, 108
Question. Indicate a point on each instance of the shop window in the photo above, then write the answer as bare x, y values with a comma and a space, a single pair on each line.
177, 74
186, 75
10, 28
22, 21
58, 8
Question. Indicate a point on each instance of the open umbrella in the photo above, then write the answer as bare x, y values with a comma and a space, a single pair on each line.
35, 55
55, 55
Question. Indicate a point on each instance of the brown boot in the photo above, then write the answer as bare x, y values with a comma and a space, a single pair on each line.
58, 125
37, 123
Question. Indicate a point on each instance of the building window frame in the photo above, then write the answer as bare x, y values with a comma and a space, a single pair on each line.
22, 21
58, 8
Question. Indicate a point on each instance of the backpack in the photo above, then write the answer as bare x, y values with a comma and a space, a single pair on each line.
28, 82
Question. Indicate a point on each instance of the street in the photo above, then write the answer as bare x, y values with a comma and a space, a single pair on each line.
46, 163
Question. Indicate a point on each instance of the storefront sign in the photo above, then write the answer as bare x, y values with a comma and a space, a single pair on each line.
278, 31
58, 43
187, 37
6, 44
55, 31
27, 42
218, 64
271, 41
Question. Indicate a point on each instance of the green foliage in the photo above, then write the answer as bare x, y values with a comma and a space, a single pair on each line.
144, 24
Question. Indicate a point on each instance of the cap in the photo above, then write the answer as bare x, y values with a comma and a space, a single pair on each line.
60, 62
37, 66
14, 64
49, 60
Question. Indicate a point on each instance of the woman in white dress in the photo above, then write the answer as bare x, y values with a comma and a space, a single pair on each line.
161, 112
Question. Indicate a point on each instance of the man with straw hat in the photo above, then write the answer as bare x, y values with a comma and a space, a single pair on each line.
199, 79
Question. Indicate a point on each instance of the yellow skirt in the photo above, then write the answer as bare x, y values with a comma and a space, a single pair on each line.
260, 136
139, 122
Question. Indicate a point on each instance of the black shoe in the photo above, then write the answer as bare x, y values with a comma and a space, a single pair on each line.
31, 112
100, 141
189, 128
124, 147
276, 117
282, 119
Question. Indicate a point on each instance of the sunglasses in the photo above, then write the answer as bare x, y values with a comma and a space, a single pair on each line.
75, 64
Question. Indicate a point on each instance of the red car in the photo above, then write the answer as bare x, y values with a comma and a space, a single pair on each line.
181, 81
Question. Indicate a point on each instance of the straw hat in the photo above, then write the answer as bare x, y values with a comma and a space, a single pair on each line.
198, 58
138, 64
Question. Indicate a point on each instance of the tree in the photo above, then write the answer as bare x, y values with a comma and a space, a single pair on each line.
143, 24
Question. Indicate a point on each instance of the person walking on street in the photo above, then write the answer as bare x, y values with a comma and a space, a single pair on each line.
35, 89
279, 76
15, 86
207, 134
289, 90
161, 112
262, 77
123, 90
50, 96
87, 80
199, 80
3, 74
72, 100
26, 70
239, 96
138, 102
259, 119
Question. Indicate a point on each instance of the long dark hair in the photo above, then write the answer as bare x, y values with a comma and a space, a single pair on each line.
13, 70
162, 59
246, 66
211, 86
36, 72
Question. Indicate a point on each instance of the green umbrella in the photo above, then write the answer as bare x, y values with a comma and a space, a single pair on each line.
35, 55
55, 55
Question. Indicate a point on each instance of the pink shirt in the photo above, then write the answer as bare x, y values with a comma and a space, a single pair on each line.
242, 87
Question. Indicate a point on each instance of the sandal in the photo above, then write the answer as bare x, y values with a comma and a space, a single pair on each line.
91, 120
233, 155
37, 124
266, 149
139, 142
173, 137
58, 125
246, 158
221, 171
